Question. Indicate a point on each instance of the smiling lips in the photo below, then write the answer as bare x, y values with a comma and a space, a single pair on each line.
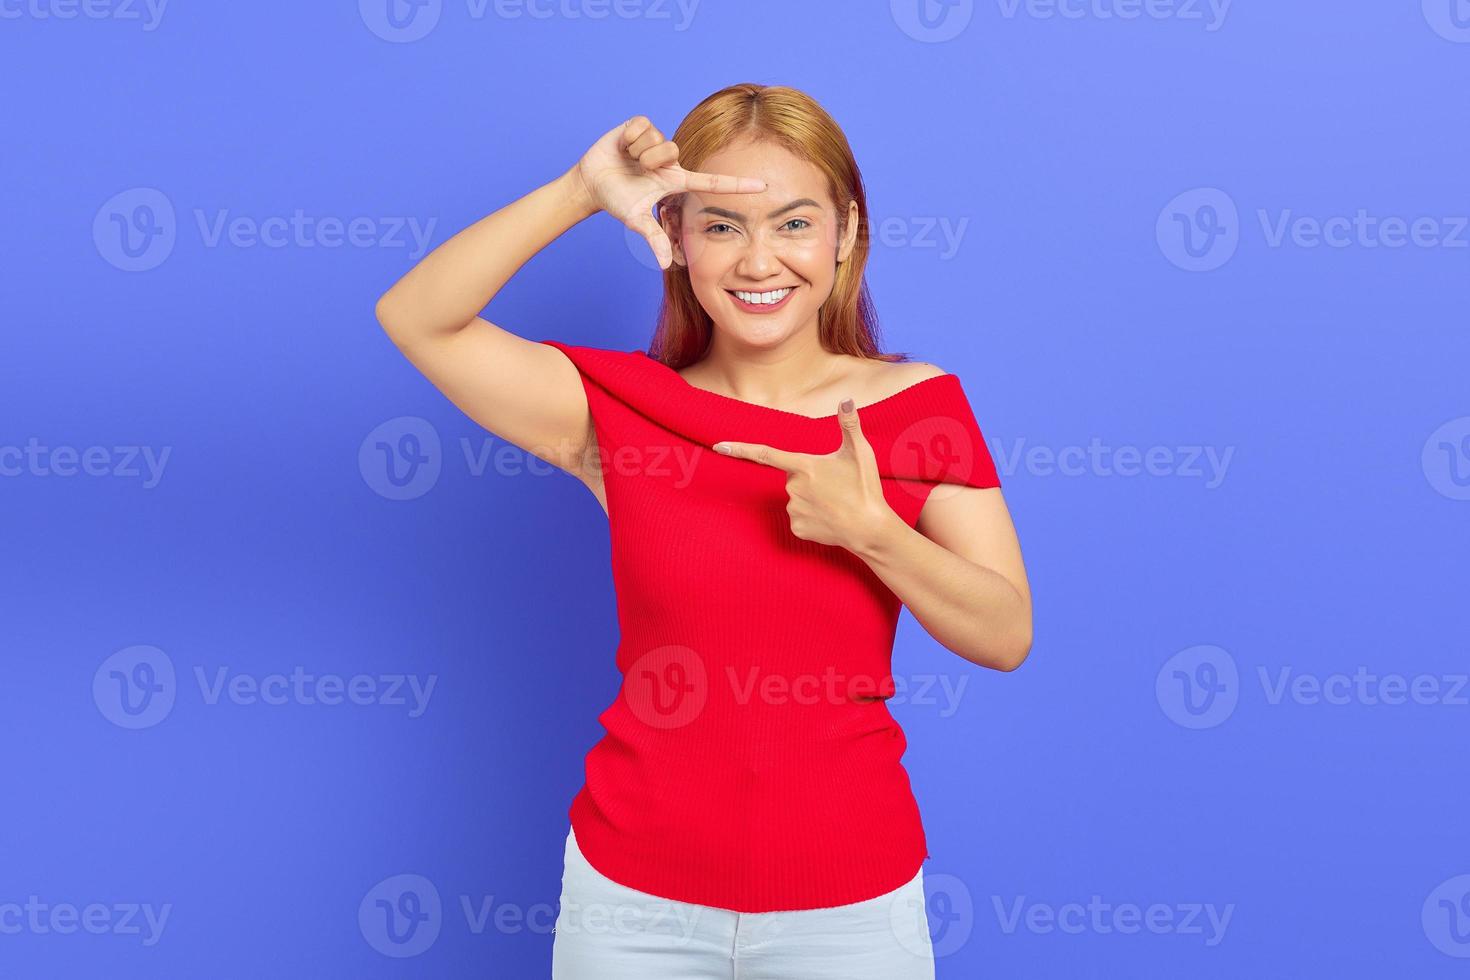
761, 302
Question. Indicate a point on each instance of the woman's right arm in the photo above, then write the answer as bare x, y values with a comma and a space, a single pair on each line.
525, 392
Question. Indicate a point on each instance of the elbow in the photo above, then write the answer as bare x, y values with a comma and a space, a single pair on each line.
383, 311
1015, 652
1013, 660
391, 319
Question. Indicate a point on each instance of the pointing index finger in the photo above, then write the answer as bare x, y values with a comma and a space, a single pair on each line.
755, 452
696, 180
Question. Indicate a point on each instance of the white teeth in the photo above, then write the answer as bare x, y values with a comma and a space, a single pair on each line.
763, 299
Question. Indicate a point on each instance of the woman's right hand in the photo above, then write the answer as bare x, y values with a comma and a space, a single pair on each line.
632, 167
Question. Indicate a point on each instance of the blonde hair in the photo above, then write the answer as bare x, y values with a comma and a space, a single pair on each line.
847, 322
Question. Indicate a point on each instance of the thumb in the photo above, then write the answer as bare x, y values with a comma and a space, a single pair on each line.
852, 428
645, 225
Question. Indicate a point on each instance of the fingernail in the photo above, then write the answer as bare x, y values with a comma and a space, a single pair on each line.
846, 406
722, 447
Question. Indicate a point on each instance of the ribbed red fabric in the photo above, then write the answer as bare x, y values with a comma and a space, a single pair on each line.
737, 770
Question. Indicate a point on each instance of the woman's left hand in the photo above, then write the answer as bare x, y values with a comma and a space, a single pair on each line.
835, 498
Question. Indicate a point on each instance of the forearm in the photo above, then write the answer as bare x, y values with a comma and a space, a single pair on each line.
970, 609
451, 285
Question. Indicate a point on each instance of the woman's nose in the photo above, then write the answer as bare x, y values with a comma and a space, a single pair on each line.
760, 257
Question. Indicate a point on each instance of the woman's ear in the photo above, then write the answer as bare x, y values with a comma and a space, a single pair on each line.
672, 221
849, 233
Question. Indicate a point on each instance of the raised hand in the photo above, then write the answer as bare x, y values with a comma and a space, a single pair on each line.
632, 167
834, 498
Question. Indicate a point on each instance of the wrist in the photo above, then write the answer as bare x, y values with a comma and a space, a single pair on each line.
879, 535
576, 193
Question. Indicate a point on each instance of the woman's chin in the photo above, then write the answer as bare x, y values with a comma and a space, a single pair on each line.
763, 334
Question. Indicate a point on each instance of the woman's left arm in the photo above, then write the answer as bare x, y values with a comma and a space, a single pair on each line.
960, 573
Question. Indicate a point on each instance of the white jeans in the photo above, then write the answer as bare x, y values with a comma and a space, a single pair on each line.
607, 931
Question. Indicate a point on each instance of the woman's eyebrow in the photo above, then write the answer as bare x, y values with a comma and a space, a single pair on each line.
725, 213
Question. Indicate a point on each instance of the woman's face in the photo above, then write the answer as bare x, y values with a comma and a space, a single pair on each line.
740, 248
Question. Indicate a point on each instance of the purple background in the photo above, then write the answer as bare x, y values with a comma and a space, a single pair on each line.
1064, 155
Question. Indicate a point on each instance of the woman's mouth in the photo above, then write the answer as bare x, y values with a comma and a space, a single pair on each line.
761, 302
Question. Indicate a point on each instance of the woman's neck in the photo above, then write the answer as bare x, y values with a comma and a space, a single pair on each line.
775, 377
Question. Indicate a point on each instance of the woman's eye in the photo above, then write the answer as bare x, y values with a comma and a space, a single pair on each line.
722, 227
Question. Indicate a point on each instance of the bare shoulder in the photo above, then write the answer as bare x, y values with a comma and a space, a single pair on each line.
912, 371
889, 377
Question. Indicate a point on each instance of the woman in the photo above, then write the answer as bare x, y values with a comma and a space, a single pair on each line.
747, 813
